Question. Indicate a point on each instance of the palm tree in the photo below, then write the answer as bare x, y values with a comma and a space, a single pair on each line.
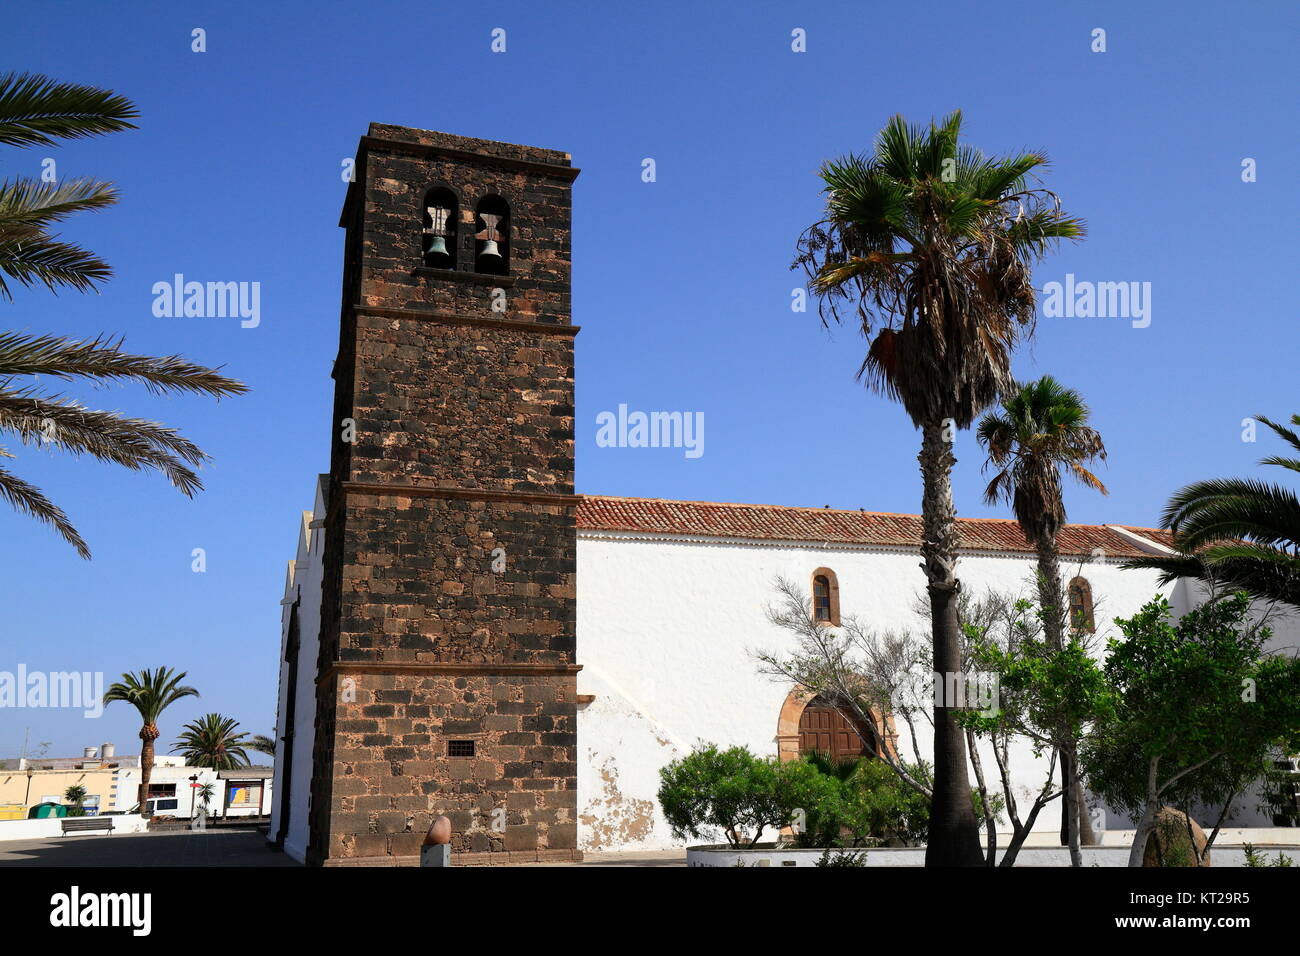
211, 741
76, 795
150, 693
1236, 532
262, 744
36, 111
931, 244
205, 792
1042, 430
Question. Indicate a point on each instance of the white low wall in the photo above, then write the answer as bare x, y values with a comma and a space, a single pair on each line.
53, 826
1220, 856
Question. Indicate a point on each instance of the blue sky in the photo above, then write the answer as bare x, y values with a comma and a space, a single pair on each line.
682, 286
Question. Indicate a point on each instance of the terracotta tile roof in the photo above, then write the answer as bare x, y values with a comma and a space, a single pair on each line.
1158, 535
779, 523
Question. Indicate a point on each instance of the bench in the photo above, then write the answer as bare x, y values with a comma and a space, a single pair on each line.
86, 824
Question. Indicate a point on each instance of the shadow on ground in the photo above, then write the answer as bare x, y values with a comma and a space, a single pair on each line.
244, 847
225, 847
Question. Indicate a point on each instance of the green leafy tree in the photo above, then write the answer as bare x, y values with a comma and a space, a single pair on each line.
150, 692
38, 111
212, 741
928, 245
735, 792
1191, 704
1048, 694
1237, 533
1041, 431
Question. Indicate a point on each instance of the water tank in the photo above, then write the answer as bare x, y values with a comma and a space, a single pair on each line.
106, 751
88, 753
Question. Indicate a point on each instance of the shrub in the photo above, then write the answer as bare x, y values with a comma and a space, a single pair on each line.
818, 801
867, 805
842, 858
732, 791
827, 803
880, 808
1255, 858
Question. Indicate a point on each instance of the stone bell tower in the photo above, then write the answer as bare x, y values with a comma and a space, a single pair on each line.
447, 680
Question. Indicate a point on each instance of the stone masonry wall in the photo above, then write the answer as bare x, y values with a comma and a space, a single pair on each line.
450, 544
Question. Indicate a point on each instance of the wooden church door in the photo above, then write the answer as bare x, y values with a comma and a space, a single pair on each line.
822, 727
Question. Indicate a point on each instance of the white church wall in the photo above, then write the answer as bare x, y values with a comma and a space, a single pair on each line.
282, 696
666, 631
306, 587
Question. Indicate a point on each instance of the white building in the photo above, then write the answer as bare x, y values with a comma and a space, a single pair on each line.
113, 784
174, 790
672, 599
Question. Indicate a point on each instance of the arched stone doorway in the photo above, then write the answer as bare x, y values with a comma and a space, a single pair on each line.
808, 722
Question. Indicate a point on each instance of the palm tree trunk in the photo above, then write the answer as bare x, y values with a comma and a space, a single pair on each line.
1049, 591
148, 734
954, 834
1051, 596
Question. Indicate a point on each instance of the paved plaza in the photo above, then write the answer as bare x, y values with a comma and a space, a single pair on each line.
232, 847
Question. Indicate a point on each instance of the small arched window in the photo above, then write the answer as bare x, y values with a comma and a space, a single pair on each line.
438, 236
1080, 593
492, 236
826, 597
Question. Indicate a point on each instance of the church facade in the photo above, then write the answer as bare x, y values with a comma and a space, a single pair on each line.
462, 634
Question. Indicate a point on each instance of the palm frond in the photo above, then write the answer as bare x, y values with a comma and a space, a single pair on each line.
24, 354
1209, 511
1292, 464
1087, 478
30, 500
131, 442
1286, 434
27, 202
40, 259
37, 111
